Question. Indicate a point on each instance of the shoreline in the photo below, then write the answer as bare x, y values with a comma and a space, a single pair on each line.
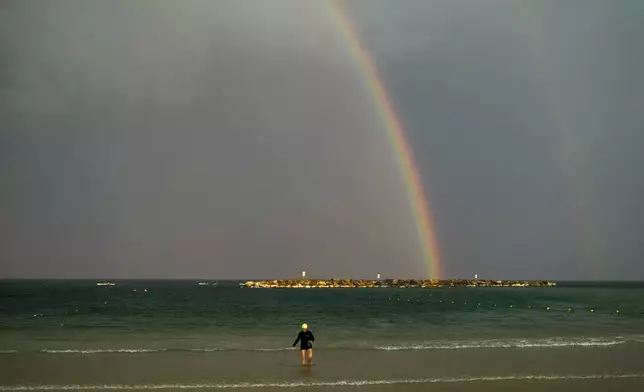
389, 283
398, 369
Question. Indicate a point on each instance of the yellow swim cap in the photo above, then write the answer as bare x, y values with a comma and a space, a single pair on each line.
304, 326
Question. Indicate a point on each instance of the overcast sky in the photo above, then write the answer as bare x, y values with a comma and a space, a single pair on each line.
232, 139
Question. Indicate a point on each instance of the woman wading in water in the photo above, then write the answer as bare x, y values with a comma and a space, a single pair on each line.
306, 339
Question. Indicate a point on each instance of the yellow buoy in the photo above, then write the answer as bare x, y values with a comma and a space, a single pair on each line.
592, 310
547, 307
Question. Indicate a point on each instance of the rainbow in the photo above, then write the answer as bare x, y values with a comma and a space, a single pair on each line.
418, 199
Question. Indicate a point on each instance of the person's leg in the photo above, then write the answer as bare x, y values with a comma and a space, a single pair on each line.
310, 354
303, 357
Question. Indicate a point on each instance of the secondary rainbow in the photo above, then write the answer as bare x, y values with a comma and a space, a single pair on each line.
567, 149
419, 202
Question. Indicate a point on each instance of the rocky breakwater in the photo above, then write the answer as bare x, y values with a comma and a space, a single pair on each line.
400, 283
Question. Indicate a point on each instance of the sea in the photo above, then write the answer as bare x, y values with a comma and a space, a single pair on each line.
179, 335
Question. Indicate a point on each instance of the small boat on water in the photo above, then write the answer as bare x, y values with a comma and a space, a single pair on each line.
105, 284
207, 283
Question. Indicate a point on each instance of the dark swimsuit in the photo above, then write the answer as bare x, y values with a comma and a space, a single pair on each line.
306, 340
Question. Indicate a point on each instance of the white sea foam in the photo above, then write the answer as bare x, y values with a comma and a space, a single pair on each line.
555, 342
304, 384
207, 350
215, 349
513, 343
102, 351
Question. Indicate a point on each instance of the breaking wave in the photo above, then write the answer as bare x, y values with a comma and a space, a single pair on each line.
103, 351
555, 342
512, 343
239, 349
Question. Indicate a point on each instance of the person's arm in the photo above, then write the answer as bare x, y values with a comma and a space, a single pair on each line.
312, 337
299, 335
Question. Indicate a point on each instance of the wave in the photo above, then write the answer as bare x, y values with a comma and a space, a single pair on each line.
555, 342
149, 350
304, 384
513, 343
103, 351
237, 349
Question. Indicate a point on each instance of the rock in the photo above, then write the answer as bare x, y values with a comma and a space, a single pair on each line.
399, 283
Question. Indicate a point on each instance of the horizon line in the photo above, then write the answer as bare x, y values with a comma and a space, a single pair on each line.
640, 280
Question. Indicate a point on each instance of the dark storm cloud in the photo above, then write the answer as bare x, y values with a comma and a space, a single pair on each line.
526, 118
201, 138
234, 139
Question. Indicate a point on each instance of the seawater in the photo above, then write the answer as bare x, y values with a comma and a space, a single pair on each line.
145, 316
144, 334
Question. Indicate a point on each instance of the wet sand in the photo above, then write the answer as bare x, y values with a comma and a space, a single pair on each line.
277, 370
496, 386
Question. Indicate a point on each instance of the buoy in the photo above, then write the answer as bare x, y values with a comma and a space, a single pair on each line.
617, 311
570, 309
512, 306
592, 310
547, 307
